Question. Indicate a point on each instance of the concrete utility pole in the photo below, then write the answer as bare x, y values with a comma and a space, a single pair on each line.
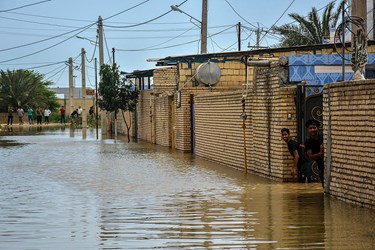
359, 9
71, 90
258, 32
115, 113
113, 56
204, 27
84, 116
101, 62
96, 99
100, 38
239, 35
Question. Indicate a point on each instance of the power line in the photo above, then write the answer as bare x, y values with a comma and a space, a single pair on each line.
239, 14
106, 45
121, 12
47, 39
176, 45
54, 45
85, 20
46, 65
93, 54
170, 39
139, 24
260, 40
27, 5
29, 21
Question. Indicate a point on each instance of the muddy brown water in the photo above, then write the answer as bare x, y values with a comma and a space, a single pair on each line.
62, 189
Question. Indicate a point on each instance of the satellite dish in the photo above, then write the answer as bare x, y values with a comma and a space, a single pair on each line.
208, 73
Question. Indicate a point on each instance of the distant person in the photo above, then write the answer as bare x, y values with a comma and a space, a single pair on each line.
315, 147
74, 115
80, 112
62, 115
10, 115
91, 111
20, 114
39, 115
301, 162
30, 115
47, 112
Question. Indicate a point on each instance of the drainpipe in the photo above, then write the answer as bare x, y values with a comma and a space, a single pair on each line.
151, 118
243, 117
328, 151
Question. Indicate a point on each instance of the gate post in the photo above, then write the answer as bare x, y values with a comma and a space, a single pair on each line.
300, 110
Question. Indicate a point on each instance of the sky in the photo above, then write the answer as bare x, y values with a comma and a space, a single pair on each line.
42, 34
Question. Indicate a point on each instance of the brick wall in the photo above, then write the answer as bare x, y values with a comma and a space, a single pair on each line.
163, 120
143, 113
218, 127
270, 107
349, 132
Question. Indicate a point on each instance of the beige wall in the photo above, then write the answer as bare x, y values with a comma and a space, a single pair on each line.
349, 132
76, 102
219, 132
270, 107
143, 113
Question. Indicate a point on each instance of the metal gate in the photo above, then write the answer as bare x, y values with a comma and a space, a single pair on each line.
309, 104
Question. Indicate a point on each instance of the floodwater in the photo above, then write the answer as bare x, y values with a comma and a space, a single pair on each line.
63, 189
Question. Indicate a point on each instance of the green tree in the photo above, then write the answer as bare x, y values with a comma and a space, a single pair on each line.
309, 30
117, 94
22, 88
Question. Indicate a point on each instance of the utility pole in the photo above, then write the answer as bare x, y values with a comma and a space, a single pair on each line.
204, 27
100, 38
113, 63
101, 62
359, 9
96, 99
84, 116
113, 56
239, 35
71, 90
258, 37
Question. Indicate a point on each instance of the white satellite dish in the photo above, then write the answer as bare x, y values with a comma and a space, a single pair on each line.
208, 73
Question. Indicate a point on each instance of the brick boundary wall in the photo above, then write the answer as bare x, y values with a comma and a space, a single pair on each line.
219, 133
349, 132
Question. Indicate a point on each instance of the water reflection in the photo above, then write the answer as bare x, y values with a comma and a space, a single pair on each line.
61, 189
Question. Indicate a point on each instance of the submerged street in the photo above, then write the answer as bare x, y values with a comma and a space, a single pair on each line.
63, 189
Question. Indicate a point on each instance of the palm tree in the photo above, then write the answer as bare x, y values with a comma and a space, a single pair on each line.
311, 29
22, 88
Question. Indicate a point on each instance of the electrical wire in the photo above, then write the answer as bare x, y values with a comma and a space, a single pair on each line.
56, 69
121, 12
93, 54
50, 38
46, 65
106, 45
42, 50
172, 46
273, 25
27, 5
29, 21
239, 14
180, 35
139, 24
85, 20
60, 71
